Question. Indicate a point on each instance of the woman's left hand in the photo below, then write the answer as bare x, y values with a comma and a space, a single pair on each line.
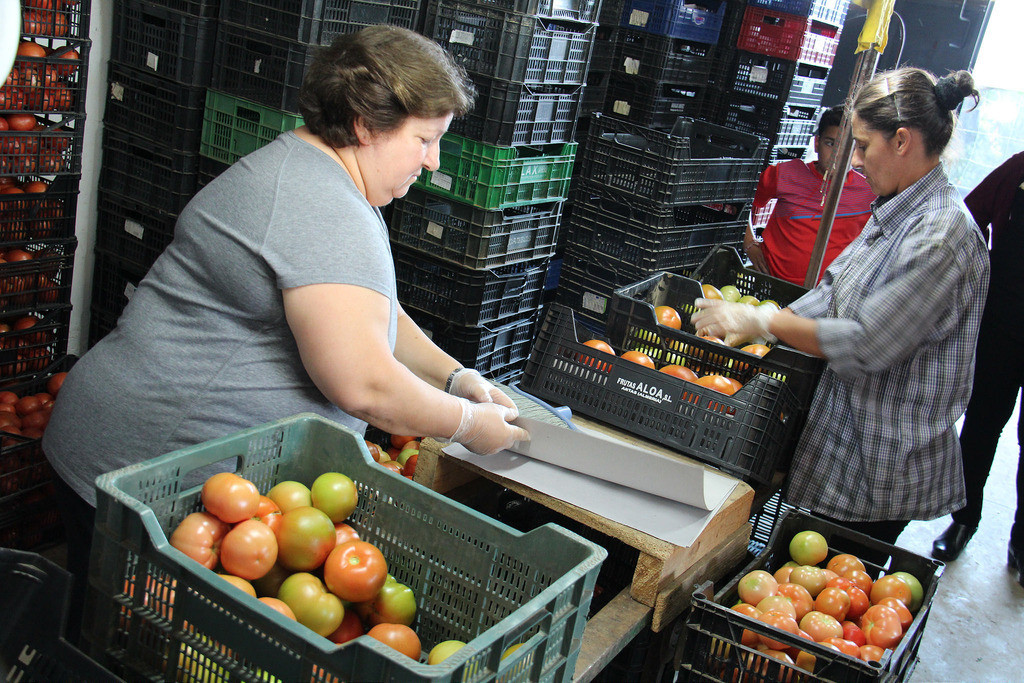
734, 322
468, 383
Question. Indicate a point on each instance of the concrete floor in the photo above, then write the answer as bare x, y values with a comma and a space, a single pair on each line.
973, 632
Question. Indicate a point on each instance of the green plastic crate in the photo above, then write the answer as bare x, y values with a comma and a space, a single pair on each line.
475, 579
234, 126
492, 177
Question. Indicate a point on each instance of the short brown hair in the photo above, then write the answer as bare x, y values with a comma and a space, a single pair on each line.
380, 76
913, 98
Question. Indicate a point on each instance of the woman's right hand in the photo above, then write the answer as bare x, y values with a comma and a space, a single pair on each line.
755, 253
486, 428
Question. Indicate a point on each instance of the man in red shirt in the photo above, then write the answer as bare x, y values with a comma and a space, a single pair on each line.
788, 239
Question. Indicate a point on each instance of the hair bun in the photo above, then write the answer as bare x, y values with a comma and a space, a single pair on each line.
948, 92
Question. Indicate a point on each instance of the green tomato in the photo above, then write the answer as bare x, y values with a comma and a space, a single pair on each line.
808, 547
290, 494
395, 603
334, 494
444, 650
916, 590
314, 606
730, 293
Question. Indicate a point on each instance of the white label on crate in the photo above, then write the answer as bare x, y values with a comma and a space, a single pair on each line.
129, 290
434, 230
638, 18
621, 108
442, 180
631, 65
134, 229
256, 66
461, 37
152, 60
117, 92
758, 74
595, 303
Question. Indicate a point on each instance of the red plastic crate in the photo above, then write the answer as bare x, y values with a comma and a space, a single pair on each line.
775, 34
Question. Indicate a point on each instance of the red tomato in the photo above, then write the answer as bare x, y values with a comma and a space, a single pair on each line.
748, 637
600, 345
399, 637
833, 601
8, 397
409, 468
799, 596
398, 441
781, 621
859, 602
860, 578
56, 381
375, 450
871, 653
269, 513
668, 316
199, 536
680, 372
249, 550
639, 358
844, 562
230, 497
305, 538
21, 121
278, 605
28, 48
30, 404
906, 618
890, 586
350, 629
343, 533
36, 420
853, 633
392, 465
758, 350
847, 647
881, 626
355, 571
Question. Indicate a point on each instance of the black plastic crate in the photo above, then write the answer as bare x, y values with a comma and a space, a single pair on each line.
570, 10
260, 67
661, 58
698, 162
654, 104
208, 170
37, 216
51, 150
133, 230
511, 46
472, 237
594, 95
66, 20
588, 279
164, 179
764, 520
34, 603
745, 434
30, 519
468, 297
114, 282
318, 22
38, 282
712, 649
725, 265
30, 350
51, 84
606, 48
494, 350
511, 114
170, 43
760, 76
786, 154
101, 323
651, 238
166, 112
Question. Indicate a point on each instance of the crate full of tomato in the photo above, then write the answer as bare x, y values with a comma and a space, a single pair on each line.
285, 552
822, 603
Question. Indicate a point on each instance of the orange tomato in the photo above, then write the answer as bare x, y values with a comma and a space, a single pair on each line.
782, 622
399, 637
833, 601
710, 292
799, 596
860, 578
718, 383
668, 316
639, 358
757, 349
890, 586
906, 618
847, 647
843, 563
600, 345
392, 465
871, 653
399, 441
680, 372
279, 605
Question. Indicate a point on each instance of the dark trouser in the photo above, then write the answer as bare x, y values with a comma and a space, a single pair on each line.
998, 378
78, 518
886, 531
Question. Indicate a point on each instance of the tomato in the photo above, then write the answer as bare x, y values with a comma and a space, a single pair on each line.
799, 596
600, 345
833, 601
335, 494
30, 404
820, 626
844, 562
399, 637
351, 628
916, 590
444, 650
249, 550
710, 292
890, 586
748, 637
668, 316
782, 574
279, 605
36, 420
21, 121
305, 538
199, 536
374, 449
398, 441
407, 452
392, 465
810, 577
758, 350
639, 358
777, 603
680, 372
343, 533
268, 513
8, 397
853, 633
717, 383
269, 584
409, 468
314, 606
808, 547
871, 653
906, 618
780, 621
859, 602
290, 494
395, 603
355, 571
847, 647
860, 578
230, 497
239, 583
881, 626
756, 585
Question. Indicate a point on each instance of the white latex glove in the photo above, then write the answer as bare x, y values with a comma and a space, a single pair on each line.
735, 323
485, 428
468, 383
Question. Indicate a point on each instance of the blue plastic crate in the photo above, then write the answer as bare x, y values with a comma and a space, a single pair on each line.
675, 18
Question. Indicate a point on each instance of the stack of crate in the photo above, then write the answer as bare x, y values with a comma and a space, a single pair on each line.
42, 116
772, 63
160, 66
473, 240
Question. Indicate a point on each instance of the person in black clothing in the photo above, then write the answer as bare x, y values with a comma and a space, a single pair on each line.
999, 372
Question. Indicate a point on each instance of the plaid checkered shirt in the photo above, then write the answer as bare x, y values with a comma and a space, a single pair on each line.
898, 314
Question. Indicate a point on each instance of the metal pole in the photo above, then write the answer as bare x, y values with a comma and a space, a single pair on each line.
863, 71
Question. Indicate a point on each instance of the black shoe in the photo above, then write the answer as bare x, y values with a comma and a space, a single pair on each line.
950, 544
1015, 558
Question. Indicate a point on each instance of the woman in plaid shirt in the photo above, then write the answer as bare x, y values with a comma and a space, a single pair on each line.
896, 315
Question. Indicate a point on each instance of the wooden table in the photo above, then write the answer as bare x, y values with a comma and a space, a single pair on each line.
665, 574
